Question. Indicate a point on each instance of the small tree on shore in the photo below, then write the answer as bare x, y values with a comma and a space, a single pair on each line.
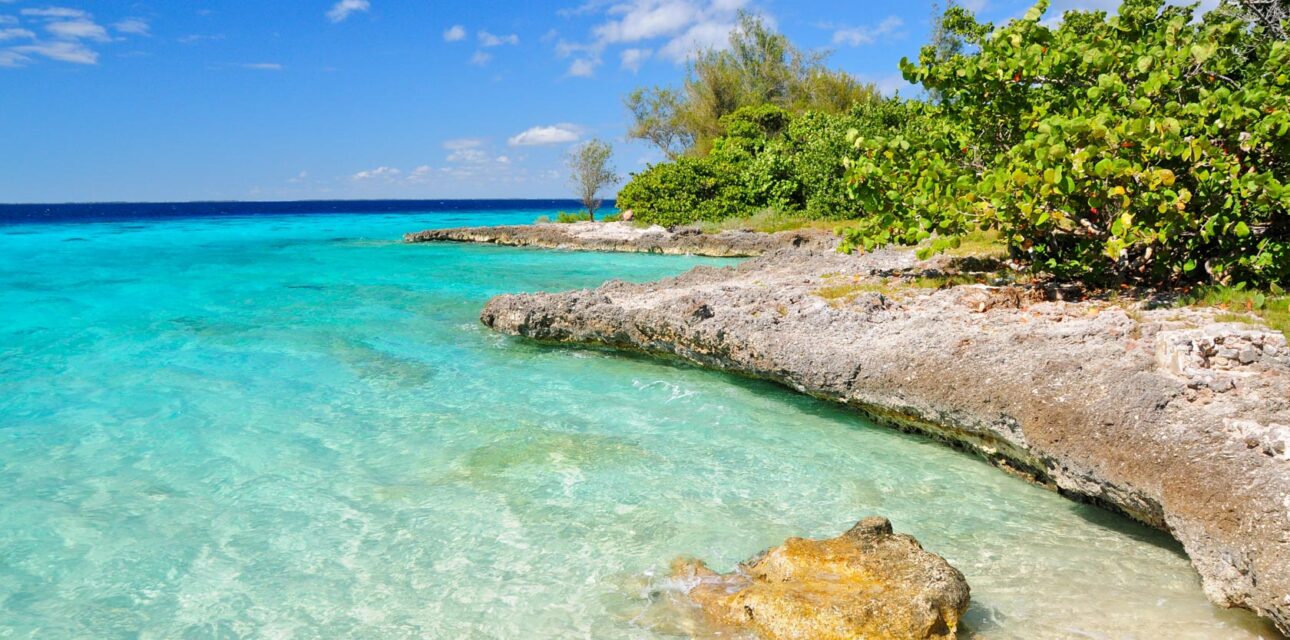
590, 171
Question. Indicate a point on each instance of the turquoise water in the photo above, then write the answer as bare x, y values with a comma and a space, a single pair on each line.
295, 427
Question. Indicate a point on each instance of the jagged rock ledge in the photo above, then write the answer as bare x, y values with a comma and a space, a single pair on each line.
1164, 415
625, 237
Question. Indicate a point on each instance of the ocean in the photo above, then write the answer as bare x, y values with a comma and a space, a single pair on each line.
275, 420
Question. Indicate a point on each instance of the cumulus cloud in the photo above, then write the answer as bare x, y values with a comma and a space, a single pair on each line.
554, 134
582, 68
133, 26
633, 58
481, 58
684, 28
462, 143
454, 33
387, 174
487, 39
345, 8
856, 36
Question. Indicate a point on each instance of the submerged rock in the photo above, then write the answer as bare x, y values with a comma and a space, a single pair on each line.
865, 583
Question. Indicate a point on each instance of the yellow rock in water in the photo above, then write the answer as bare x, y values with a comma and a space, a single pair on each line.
866, 583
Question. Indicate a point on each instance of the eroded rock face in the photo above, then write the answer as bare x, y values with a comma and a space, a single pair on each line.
865, 583
1168, 416
625, 237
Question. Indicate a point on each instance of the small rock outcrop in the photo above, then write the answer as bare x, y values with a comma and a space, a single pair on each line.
625, 237
865, 583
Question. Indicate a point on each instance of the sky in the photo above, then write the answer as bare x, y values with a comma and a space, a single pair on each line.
157, 100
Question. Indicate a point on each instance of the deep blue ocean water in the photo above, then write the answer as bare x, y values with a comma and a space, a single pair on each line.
284, 423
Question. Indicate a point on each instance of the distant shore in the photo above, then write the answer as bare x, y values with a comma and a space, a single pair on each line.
625, 237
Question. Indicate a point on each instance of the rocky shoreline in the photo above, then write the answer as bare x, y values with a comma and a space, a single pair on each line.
625, 237
1167, 416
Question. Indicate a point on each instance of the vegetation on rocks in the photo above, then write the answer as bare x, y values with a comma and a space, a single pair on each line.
1149, 146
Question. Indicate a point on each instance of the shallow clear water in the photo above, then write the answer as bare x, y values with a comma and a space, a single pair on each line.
295, 427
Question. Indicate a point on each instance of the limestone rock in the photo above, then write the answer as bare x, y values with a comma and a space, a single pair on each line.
865, 583
1134, 411
624, 236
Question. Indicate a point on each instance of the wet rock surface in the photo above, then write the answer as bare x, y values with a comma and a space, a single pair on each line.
865, 583
625, 237
1165, 415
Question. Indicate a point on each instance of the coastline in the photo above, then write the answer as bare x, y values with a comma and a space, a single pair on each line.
624, 237
1167, 415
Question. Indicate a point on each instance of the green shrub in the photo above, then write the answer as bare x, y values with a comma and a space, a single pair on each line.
1147, 146
766, 158
566, 217
680, 192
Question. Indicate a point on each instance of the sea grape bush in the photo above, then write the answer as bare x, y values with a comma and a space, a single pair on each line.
766, 158
1146, 146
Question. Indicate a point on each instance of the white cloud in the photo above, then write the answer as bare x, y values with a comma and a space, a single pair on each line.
686, 26
14, 34
454, 33
487, 39
700, 37
468, 155
135, 26
263, 66
387, 174
63, 51
197, 37
634, 58
554, 134
10, 59
646, 19
481, 58
8, 20
55, 12
344, 8
582, 68
77, 29
463, 143
503, 160
856, 36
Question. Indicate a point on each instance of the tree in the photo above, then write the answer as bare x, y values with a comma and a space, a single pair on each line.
655, 112
1269, 14
759, 67
590, 171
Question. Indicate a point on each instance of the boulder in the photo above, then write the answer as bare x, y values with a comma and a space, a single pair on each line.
865, 583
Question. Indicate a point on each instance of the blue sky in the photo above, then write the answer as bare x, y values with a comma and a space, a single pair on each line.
237, 100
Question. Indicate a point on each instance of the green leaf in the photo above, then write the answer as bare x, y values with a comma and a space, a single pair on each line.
1241, 230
